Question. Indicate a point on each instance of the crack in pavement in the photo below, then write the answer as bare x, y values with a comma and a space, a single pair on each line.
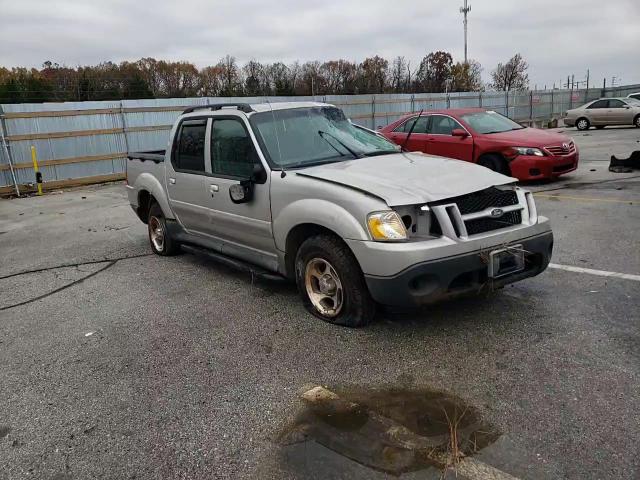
78, 264
110, 263
64, 287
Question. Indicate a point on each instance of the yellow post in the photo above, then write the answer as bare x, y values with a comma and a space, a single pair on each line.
34, 159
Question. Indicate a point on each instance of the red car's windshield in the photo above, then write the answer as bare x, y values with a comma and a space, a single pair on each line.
490, 122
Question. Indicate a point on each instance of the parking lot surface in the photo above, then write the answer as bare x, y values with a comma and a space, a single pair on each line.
120, 364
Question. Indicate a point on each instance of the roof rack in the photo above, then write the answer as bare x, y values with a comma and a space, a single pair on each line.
243, 107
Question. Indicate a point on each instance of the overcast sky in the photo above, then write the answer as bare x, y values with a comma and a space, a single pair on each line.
556, 37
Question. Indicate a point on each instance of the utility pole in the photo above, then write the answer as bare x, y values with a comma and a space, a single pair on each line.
587, 79
465, 10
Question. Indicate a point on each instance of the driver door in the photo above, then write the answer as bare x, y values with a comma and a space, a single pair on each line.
441, 142
244, 228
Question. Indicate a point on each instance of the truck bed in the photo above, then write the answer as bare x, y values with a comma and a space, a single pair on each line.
141, 165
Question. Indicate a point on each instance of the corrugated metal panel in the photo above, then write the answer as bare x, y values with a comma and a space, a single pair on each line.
124, 119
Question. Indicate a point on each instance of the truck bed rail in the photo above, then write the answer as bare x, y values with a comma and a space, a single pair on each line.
156, 156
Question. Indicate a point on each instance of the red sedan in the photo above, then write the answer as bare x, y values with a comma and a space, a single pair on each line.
489, 139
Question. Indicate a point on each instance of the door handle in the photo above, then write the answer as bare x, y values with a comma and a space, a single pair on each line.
213, 189
172, 181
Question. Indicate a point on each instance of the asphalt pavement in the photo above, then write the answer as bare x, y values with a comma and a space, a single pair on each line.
118, 364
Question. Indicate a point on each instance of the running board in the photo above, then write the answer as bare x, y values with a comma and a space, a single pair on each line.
240, 265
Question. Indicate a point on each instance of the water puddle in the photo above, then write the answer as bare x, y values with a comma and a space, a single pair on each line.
392, 431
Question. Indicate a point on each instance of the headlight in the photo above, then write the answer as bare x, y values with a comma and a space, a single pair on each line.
529, 151
386, 226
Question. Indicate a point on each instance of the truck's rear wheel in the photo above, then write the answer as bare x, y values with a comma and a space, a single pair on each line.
331, 283
159, 237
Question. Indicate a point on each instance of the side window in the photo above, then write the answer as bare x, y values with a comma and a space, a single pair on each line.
614, 103
421, 125
441, 125
635, 95
189, 150
599, 104
232, 152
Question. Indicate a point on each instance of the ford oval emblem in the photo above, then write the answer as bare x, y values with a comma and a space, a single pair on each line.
497, 212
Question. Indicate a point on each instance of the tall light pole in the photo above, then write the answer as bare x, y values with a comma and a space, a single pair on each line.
465, 10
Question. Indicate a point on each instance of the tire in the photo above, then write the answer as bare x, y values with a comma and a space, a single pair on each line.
583, 124
600, 127
328, 271
494, 162
636, 121
159, 238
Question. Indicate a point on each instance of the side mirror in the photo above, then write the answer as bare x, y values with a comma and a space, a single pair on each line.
459, 132
258, 175
241, 192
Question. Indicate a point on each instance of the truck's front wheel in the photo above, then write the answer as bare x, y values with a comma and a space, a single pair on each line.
159, 237
331, 283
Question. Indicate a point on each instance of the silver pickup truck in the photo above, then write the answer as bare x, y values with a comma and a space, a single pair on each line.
297, 190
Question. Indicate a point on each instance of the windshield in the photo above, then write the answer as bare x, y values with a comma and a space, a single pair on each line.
310, 136
632, 101
490, 122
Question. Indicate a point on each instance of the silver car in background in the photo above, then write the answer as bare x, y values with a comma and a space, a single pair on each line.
603, 112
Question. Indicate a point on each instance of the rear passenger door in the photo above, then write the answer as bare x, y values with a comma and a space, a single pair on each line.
245, 228
186, 173
441, 142
598, 112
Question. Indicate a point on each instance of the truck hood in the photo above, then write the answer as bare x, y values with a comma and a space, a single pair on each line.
409, 178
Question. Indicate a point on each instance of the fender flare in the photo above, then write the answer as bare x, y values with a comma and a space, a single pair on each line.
146, 181
319, 212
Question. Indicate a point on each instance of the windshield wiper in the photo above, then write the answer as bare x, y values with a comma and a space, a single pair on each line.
322, 133
380, 152
313, 163
403, 147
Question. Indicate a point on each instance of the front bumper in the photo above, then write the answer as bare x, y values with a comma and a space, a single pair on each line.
528, 167
436, 280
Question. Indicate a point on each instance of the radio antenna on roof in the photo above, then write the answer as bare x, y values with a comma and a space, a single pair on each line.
275, 129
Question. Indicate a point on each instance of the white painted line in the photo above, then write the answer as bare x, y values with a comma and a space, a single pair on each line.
600, 273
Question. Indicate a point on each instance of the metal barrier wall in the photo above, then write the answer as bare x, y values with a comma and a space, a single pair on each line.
87, 142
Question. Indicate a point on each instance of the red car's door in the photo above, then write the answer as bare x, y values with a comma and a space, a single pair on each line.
440, 140
418, 140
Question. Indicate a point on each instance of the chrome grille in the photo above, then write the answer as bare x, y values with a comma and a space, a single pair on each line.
561, 150
481, 225
480, 212
478, 201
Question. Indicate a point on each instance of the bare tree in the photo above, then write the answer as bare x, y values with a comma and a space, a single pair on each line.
373, 73
313, 82
254, 79
399, 73
231, 74
512, 75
